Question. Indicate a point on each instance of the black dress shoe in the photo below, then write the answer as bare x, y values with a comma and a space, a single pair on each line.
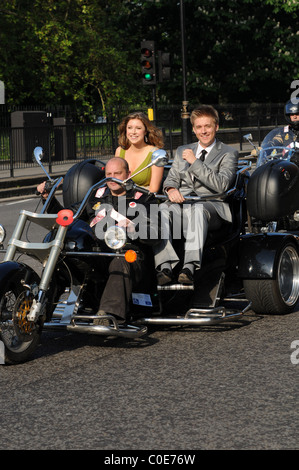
185, 276
164, 277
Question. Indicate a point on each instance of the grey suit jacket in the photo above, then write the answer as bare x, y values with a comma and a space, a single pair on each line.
215, 175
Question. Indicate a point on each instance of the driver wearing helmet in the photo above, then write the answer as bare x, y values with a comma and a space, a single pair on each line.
292, 116
287, 136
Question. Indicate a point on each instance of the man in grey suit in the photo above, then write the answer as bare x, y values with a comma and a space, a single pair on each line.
205, 167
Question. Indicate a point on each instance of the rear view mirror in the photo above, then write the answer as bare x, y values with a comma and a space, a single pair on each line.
38, 154
159, 157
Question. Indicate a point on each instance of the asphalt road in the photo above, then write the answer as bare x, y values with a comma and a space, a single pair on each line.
178, 389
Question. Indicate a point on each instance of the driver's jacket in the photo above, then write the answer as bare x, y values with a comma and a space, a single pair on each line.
103, 210
285, 137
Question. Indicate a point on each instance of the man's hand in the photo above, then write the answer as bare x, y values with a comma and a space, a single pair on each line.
41, 190
174, 195
189, 156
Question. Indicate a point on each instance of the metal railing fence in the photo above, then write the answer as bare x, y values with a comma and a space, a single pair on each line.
65, 139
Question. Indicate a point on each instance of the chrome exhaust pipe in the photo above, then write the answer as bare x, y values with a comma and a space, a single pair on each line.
128, 331
196, 317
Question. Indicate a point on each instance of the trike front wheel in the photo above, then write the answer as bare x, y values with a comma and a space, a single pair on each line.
19, 336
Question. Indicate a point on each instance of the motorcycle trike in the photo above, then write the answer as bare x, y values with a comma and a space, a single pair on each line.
65, 292
252, 263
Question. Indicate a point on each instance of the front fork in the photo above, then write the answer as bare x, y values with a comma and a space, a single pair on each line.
47, 253
36, 308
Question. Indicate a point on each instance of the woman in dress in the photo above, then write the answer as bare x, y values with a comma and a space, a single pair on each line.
138, 139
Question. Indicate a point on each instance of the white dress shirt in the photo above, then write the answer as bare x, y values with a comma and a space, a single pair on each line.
207, 149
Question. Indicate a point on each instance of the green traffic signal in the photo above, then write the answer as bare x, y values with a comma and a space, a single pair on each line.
148, 65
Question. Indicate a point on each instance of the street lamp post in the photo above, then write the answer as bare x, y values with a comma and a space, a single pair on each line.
185, 115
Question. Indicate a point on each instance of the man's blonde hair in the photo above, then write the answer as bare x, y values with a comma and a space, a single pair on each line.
204, 110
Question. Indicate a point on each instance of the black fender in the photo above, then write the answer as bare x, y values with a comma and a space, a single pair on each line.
258, 254
12, 270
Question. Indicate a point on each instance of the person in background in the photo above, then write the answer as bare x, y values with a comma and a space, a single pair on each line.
138, 139
286, 136
277, 141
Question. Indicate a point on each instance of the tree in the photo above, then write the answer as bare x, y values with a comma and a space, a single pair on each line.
236, 50
86, 52
65, 52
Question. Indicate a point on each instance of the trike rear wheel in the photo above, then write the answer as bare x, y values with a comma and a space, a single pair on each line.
280, 294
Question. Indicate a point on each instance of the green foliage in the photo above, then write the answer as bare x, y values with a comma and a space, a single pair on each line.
86, 52
69, 51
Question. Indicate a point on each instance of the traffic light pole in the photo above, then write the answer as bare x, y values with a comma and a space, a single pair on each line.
185, 115
154, 102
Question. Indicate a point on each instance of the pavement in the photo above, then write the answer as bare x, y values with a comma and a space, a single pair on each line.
23, 183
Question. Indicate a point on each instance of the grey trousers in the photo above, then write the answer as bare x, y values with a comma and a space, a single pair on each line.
192, 220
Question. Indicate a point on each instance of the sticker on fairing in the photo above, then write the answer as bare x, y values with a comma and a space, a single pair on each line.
142, 299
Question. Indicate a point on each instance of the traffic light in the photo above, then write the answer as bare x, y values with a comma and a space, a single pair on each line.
148, 65
164, 66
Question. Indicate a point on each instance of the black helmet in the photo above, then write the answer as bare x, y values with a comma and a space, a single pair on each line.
291, 108
79, 178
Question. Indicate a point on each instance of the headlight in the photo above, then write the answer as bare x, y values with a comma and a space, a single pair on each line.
2, 233
115, 237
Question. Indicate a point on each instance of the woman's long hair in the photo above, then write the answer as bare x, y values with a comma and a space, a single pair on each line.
153, 135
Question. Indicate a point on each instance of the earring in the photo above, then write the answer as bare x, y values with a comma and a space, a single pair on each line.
145, 139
